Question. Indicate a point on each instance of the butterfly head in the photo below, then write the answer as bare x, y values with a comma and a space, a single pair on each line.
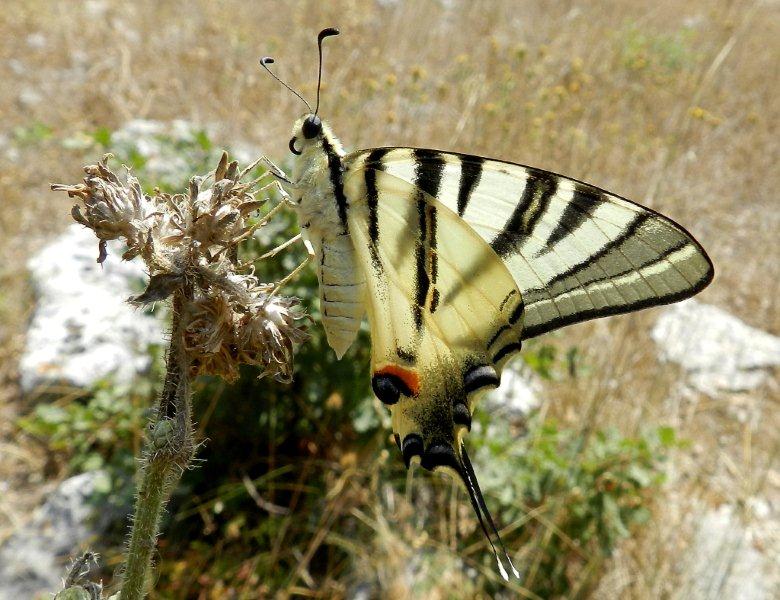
312, 132
307, 132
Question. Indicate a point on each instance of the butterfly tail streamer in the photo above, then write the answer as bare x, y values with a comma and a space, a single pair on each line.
481, 509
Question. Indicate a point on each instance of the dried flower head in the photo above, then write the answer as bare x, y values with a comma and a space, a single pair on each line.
189, 242
222, 333
113, 210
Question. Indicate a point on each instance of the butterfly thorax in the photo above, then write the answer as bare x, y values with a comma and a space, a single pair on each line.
317, 173
318, 194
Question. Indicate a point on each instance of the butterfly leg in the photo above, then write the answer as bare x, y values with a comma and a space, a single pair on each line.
249, 231
281, 247
294, 273
285, 201
276, 171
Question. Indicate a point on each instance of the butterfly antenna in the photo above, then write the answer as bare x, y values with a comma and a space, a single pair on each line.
330, 31
267, 60
478, 502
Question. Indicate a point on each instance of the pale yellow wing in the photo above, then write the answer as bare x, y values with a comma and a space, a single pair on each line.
439, 337
575, 251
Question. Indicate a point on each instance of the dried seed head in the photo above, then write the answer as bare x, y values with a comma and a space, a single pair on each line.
221, 334
189, 243
113, 210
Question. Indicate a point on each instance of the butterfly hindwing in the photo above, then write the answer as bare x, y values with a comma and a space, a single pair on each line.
575, 251
437, 338
445, 316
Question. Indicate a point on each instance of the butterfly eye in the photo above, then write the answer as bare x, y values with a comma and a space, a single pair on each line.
312, 127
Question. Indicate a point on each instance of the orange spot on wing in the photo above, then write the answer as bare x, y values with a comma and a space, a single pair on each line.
408, 376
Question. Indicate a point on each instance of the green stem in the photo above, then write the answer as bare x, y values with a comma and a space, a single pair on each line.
168, 453
157, 478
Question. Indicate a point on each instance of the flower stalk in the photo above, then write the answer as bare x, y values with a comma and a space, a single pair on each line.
169, 450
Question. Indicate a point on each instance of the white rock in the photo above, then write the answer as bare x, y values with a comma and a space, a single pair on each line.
83, 329
518, 393
33, 560
726, 562
719, 352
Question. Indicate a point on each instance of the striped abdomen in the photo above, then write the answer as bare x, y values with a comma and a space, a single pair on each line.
342, 291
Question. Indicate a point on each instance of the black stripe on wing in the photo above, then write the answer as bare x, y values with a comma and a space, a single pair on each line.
470, 174
336, 171
374, 159
433, 257
539, 189
422, 280
605, 311
631, 229
428, 171
578, 210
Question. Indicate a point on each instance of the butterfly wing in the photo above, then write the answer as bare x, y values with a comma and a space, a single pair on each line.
575, 251
464, 257
438, 339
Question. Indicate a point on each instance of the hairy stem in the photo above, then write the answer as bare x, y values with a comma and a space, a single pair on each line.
167, 454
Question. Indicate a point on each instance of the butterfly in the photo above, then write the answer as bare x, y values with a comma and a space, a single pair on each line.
456, 260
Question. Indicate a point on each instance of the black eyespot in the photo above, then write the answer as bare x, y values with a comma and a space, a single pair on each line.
480, 377
440, 455
410, 447
388, 388
292, 146
461, 415
312, 127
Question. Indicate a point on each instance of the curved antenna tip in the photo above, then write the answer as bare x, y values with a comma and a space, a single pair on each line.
266, 60
327, 32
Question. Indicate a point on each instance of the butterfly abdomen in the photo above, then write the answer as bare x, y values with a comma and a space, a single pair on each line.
322, 211
342, 291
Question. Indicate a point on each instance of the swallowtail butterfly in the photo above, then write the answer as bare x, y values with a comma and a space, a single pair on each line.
456, 259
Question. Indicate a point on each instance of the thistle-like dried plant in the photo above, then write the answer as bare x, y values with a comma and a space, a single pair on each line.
222, 315
189, 243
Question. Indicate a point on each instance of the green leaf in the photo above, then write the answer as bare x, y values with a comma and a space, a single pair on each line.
641, 476
51, 414
612, 517
102, 483
33, 133
667, 436
203, 140
93, 462
102, 136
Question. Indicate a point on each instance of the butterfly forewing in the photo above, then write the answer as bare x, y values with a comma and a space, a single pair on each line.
575, 251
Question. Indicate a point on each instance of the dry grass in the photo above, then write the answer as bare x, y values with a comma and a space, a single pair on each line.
671, 104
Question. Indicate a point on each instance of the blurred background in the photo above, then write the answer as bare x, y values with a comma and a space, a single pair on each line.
632, 457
